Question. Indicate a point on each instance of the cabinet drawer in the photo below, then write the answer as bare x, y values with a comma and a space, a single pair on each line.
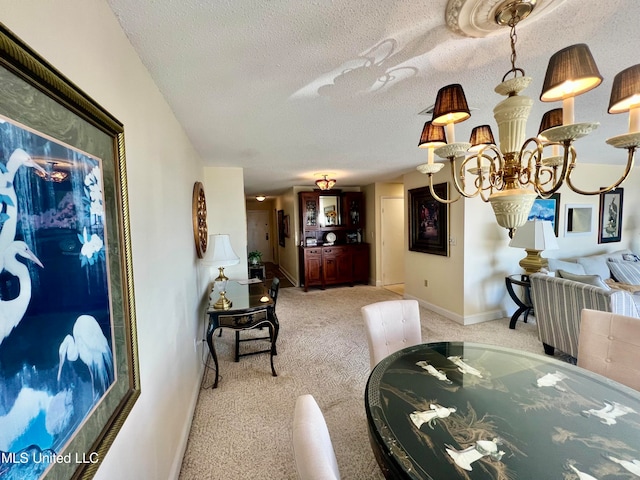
313, 251
335, 250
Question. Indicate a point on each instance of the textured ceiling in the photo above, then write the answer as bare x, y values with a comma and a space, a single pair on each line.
289, 88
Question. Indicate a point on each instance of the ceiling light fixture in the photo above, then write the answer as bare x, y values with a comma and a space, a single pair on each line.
512, 176
325, 183
260, 198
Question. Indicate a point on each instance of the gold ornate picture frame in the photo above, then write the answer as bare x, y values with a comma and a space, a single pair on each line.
44, 112
199, 213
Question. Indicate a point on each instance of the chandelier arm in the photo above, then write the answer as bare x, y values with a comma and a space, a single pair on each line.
460, 176
435, 195
567, 166
627, 170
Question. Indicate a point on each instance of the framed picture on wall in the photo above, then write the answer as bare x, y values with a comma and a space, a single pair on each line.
285, 224
428, 220
610, 218
547, 209
281, 234
68, 348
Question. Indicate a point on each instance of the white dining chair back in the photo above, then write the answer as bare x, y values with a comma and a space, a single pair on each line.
312, 447
391, 326
609, 344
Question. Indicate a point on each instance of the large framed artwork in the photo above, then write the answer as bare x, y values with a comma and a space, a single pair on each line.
428, 221
547, 209
68, 349
281, 228
610, 219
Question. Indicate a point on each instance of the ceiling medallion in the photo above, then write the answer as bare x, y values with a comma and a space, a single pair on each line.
199, 213
477, 18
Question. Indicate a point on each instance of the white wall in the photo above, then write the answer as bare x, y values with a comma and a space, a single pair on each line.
83, 40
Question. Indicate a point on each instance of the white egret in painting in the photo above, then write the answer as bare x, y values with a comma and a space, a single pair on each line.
90, 345
8, 194
12, 311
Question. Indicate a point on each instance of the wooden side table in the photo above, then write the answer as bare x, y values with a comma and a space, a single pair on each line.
257, 271
525, 305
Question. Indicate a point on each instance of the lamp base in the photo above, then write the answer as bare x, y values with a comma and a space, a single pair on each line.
533, 262
223, 302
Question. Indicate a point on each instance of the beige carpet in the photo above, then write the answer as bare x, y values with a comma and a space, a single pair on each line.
242, 429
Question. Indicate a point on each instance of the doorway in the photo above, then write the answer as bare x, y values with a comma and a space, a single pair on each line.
392, 243
259, 233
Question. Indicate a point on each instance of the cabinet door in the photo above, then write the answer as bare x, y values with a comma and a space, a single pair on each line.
312, 267
337, 265
361, 263
353, 208
309, 206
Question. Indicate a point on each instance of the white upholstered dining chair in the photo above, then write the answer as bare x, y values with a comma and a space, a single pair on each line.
609, 344
312, 447
391, 326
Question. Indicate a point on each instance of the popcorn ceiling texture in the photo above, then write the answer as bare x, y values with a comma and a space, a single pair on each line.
307, 86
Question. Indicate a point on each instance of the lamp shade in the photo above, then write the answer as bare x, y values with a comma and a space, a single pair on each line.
432, 136
625, 92
552, 118
222, 254
571, 72
481, 135
451, 106
535, 235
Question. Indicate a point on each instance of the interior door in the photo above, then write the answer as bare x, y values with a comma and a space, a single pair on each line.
392, 228
259, 233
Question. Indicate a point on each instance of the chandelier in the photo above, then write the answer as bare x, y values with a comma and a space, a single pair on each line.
512, 176
325, 183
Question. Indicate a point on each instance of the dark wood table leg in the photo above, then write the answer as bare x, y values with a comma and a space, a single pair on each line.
212, 350
272, 334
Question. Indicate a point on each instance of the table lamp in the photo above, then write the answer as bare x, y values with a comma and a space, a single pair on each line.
534, 236
222, 255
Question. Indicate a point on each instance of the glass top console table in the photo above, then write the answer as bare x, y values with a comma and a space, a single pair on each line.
455, 410
249, 309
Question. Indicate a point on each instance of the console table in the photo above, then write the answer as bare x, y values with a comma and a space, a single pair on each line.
249, 309
525, 305
454, 410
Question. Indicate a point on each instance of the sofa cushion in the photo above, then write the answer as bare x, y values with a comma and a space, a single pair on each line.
625, 272
571, 267
597, 264
594, 280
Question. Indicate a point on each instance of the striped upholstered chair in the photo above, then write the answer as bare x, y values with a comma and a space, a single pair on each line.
558, 304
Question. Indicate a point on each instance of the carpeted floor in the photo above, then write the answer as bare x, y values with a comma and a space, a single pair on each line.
242, 429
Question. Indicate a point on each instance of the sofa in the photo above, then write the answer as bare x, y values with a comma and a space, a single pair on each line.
587, 283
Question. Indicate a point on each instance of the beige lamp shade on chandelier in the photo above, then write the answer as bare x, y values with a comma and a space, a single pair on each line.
513, 175
534, 236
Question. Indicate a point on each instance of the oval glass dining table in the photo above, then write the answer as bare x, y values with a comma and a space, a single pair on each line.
454, 410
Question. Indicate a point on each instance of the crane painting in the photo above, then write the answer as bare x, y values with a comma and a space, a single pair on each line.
57, 357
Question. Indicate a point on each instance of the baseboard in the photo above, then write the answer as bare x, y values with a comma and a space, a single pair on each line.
174, 473
460, 319
290, 277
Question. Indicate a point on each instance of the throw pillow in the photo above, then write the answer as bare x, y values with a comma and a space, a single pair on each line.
625, 272
572, 267
594, 280
630, 257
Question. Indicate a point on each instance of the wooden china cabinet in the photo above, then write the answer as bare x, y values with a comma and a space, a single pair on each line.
332, 233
